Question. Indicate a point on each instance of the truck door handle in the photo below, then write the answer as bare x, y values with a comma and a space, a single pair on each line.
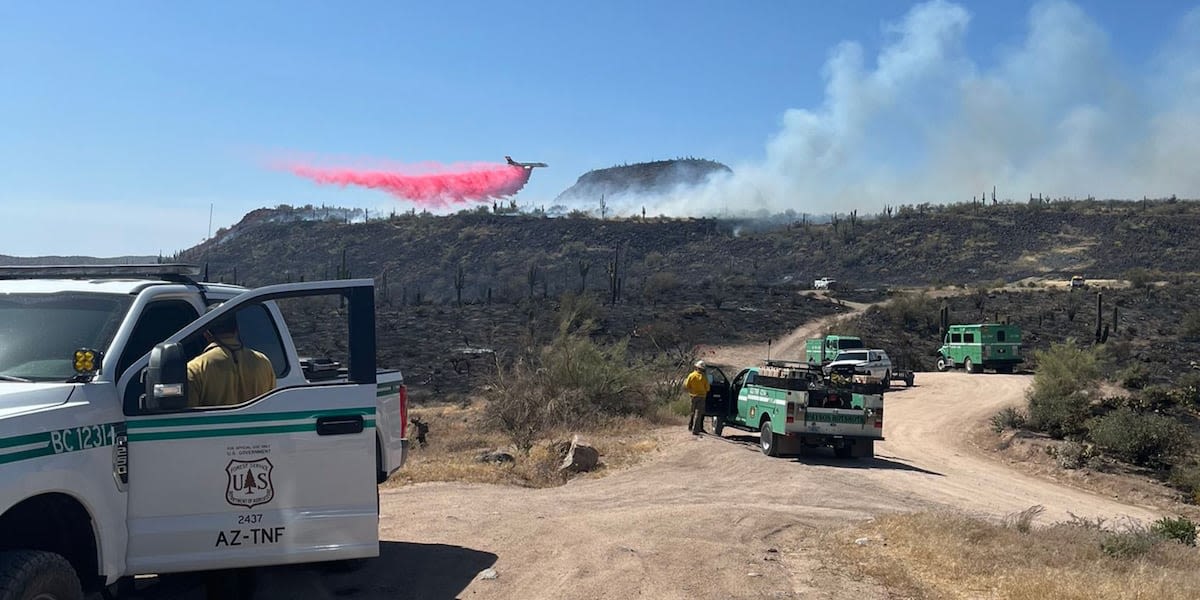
339, 425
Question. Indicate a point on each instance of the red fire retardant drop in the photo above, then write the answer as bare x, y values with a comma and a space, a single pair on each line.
470, 184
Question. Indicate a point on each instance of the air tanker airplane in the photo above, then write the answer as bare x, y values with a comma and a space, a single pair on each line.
525, 165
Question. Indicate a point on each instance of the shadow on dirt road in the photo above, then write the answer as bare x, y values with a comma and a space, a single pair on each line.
824, 457
402, 571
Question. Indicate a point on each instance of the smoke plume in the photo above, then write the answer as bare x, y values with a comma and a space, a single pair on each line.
438, 186
1056, 114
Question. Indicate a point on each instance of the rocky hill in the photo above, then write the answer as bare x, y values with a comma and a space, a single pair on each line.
659, 176
452, 287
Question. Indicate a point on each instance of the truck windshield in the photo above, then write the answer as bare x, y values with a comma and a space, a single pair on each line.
39, 333
862, 356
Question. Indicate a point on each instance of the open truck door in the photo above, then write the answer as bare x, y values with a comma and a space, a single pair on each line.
286, 477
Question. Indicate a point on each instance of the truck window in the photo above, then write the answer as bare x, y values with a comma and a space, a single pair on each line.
999, 335
257, 330
956, 338
968, 338
751, 377
156, 323
41, 332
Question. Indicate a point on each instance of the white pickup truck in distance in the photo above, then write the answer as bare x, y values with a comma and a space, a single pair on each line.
106, 472
869, 362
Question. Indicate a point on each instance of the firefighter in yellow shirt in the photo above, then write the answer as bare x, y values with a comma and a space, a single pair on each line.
697, 386
227, 373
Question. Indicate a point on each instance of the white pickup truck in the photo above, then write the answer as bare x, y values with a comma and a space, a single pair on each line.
101, 481
869, 362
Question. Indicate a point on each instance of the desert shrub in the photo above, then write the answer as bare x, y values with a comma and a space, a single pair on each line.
917, 313
1134, 377
1190, 327
1061, 393
1187, 389
659, 286
1180, 529
571, 382
1185, 477
1133, 543
1155, 398
1139, 438
1138, 277
1009, 417
1022, 521
1115, 354
517, 402
1071, 455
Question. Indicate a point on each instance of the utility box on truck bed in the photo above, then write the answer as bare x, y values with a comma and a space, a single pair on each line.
107, 468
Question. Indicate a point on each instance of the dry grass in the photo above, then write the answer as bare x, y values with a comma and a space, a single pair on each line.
953, 556
458, 435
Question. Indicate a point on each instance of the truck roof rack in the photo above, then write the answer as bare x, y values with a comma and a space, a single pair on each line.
789, 364
173, 272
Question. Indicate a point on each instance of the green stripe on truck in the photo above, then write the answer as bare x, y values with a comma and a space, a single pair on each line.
245, 418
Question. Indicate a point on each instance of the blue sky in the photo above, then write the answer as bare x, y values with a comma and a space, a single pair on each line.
122, 122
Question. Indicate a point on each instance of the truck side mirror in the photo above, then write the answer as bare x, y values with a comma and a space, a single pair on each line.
166, 379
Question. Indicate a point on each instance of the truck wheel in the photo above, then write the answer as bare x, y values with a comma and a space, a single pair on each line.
767, 441
1004, 369
887, 380
970, 366
843, 451
942, 365
718, 425
36, 575
909, 379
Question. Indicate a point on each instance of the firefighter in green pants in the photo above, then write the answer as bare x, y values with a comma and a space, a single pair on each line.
697, 387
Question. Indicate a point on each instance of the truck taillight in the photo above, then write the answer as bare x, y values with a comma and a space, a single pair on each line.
791, 412
403, 411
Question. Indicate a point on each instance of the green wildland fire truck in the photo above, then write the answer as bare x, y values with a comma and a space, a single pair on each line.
819, 351
794, 404
978, 347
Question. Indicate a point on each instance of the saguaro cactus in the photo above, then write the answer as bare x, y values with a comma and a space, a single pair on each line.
1101, 327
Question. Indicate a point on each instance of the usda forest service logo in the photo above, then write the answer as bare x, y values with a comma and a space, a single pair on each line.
249, 482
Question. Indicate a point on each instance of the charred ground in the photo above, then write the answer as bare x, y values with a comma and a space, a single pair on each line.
456, 286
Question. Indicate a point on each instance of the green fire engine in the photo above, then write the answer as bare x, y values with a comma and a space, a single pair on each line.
795, 404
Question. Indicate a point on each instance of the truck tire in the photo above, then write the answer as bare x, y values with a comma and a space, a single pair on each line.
718, 425
909, 379
887, 380
1004, 369
970, 366
942, 364
37, 575
844, 451
767, 441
